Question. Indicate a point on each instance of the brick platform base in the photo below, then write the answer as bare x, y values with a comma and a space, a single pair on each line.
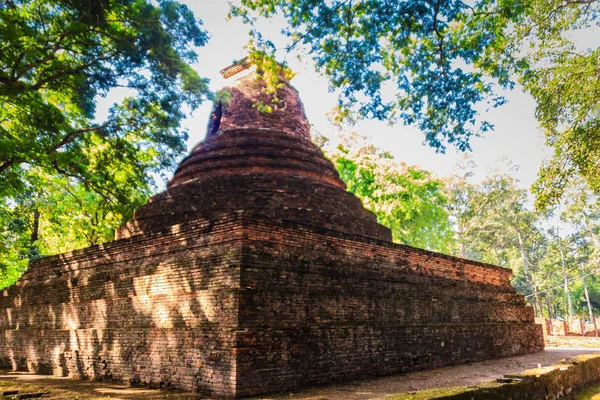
244, 306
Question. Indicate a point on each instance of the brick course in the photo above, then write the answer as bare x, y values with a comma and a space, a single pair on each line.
257, 272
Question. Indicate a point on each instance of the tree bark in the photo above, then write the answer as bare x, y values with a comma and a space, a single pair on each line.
539, 302
589, 305
562, 257
35, 228
549, 312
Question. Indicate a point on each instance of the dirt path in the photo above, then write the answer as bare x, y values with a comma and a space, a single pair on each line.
462, 375
64, 388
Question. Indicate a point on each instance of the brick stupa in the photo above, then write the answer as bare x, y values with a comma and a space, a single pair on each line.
254, 272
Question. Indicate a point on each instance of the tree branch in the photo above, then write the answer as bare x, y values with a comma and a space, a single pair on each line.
68, 138
82, 179
60, 73
9, 163
441, 38
72, 135
312, 28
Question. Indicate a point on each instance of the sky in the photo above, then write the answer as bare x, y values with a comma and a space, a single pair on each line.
516, 139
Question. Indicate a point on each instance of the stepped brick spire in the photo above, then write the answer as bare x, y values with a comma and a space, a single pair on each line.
257, 163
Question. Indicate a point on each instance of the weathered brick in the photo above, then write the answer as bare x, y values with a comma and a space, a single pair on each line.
254, 272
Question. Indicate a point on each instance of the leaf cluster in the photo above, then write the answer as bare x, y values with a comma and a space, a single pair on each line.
70, 175
408, 200
441, 57
59, 56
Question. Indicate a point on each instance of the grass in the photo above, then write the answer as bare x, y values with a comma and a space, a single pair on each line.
591, 393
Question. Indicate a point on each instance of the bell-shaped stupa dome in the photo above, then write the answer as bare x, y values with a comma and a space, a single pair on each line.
257, 163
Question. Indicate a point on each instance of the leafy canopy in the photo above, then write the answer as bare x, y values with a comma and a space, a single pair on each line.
59, 56
437, 55
435, 64
563, 79
408, 200
69, 175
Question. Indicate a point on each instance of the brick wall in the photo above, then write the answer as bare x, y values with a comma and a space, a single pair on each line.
320, 306
241, 112
245, 305
159, 309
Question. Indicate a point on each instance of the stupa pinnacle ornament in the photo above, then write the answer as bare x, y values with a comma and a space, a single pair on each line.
256, 272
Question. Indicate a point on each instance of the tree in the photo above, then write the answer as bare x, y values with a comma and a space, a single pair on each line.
432, 63
408, 200
467, 208
436, 53
582, 212
492, 223
563, 79
57, 58
518, 222
54, 215
15, 243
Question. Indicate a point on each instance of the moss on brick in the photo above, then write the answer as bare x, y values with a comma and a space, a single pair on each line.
548, 383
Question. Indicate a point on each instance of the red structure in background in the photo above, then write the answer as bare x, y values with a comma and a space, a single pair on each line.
255, 272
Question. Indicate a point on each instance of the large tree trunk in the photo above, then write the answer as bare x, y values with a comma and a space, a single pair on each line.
539, 302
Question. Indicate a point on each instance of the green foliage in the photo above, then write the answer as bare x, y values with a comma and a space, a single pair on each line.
57, 58
271, 74
581, 210
580, 303
222, 97
15, 247
69, 216
72, 217
568, 97
493, 223
439, 56
433, 63
408, 200
563, 79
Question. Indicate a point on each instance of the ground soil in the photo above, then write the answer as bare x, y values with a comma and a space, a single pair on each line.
573, 342
462, 375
